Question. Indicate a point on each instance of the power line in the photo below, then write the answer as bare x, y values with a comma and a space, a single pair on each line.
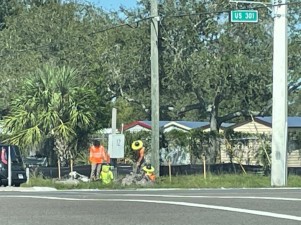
131, 25
135, 24
227, 10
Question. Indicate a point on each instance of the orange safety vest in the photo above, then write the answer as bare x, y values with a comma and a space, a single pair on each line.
151, 176
140, 154
97, 154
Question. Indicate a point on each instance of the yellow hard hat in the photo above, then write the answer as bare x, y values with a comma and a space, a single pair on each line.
148, 168
136, 145
105, 168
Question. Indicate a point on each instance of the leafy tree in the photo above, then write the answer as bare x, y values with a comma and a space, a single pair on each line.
206, 64
199, 143
54, 32
294, 57
127, 64
295, 104
8, 8
126, 112
216, 66
210, 69
51, 107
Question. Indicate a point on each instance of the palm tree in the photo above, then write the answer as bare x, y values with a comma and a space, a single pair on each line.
51, 107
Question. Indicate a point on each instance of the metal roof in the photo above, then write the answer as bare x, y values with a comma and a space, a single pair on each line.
161, 123
225, 125
189, 124
192, 124
292, 121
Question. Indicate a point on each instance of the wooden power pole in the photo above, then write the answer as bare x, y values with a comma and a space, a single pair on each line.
155, 86
279, 119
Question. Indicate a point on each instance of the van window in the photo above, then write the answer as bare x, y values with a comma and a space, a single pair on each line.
14, 154
3, 155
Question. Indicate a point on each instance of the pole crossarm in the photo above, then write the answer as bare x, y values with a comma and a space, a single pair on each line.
253, 2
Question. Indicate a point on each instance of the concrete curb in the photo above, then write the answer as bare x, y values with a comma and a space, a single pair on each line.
27, 189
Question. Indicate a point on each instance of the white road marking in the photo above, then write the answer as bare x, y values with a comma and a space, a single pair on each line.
200, 196
231, 209
224, 208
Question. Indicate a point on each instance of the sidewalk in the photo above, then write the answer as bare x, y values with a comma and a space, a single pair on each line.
27, 189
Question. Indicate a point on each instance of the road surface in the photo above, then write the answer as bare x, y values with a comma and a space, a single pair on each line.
151, 207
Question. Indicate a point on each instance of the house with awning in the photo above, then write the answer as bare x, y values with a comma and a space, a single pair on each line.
166, 126
179, 155
248, 147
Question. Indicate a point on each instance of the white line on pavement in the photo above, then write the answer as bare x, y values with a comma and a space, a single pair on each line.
215, 197
224, 208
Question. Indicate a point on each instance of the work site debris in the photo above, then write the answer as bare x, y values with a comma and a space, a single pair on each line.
73, 179
138, 179
77, 176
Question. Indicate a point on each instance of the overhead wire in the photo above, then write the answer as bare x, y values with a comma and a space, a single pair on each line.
136, 23
89, 34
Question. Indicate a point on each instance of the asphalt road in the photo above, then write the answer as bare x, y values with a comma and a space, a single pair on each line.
150, 207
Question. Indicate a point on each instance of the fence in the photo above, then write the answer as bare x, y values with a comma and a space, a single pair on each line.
123, 169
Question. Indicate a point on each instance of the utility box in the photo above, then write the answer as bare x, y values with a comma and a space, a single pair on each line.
116, 146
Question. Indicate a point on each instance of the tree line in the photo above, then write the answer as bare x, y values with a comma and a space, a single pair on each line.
64, 65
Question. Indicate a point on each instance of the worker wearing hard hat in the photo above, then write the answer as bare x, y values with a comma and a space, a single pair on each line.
97, 156
106, 175
149, 172
138, 147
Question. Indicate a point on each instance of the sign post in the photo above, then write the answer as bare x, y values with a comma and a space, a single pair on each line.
244, 16
9, 166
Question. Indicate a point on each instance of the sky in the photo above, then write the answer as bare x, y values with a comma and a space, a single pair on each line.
114, 4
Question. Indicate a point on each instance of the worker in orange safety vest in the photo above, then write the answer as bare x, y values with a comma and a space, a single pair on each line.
149, 172
140, 151
98, 155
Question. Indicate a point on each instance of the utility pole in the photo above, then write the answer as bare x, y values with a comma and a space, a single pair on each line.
155, 86
9, 172
279, 115
110, 143
114, 122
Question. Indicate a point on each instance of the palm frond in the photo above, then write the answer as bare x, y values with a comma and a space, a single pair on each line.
64, 131
26, 138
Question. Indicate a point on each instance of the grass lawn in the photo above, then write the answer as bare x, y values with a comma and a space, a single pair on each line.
181, 181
